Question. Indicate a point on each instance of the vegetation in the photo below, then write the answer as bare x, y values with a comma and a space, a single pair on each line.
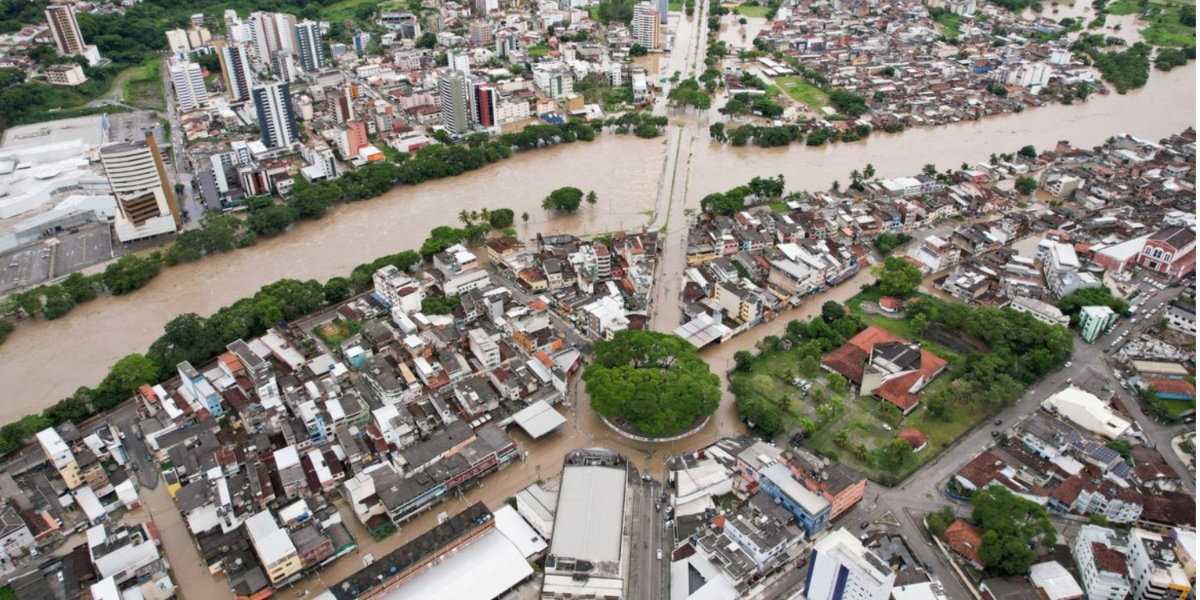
938, 522
734, 200
1011, 526
1025, 185
615, 11
1125, 69
885, 243
802, 91
1169, 58
1072, 303
564, 199
951, 23
440, 305
653, 381
897, 277
754, 11
848, 103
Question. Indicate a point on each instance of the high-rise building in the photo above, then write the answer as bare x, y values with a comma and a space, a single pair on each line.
480, 32
189, 85
663, 7
264, 37
452, 87
283, 65
840, 568
310, 49
1155, 571
64, 28
145, 199
645, 25
484, 105
235, 69
276, 118
285, 24
177, 42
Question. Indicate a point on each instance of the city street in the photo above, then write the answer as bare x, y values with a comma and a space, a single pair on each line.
649, 552
188, 203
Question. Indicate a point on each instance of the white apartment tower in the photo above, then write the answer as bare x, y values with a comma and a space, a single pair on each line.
276, 118
145, 199
840, 568
65, 29
453, 89
646, 25
1155, 571
310, 48
264, 37
189, 85
1103, 564
235, 69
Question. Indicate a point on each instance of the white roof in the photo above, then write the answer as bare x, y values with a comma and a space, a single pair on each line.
1088, 412
105, 589
781, 476
591, 513
1055, 581
286, 457
271, 542
539, 419
916, 591
514, 527
699, 571
705, 474
483, 570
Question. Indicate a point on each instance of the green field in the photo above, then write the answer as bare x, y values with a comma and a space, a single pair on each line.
143, 88
758, 12
538, 51
803, 91
951, 24
1164, 17
672, 6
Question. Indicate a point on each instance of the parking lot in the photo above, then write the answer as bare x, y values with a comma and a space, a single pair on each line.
89, 245
25, 267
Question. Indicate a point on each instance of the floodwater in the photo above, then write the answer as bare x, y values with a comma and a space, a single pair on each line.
45, 361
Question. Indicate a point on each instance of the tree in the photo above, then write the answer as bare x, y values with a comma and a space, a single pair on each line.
836, 383
129, 273
869, 172
717, 131
885, 243
124, 378
1011, 525
500, 218
336, 289
524, 217
888, 413
565, 199
919, 323
929, 169
591, 198
655, 382
427, 40
638, 50
938, 522
832, 311
743, 360
897, 277
1025, 185
1027, 151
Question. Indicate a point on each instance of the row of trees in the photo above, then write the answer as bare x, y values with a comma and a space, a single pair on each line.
568, 199
734, 200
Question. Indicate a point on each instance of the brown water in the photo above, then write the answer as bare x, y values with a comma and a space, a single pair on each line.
43, 362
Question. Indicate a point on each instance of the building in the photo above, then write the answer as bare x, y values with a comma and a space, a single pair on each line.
646, 23
484, 104
1053, 582
452, 88
264, 36
1181, 316
1155, 571
283, 65
59, 454
588, 528
1042, 311
65, 29
188, 81
885, 366
841, 568
352, 137
69, 74
1171, 251
310, 48
739, 304
484, 348
146, 204
965, 539
236, 71
1103, 566
1093, 320
274, 547
763, 531
1088, 411
15, 537
276, 117
809, 509
122, 551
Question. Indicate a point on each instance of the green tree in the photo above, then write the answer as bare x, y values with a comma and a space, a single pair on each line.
524, 217
1010, 524
1025, 185
336, 289
501, 218
743, 360
129, 273
564, 199
832, 311
1027, 151
591, 198
919, 323
124, 378
638, 50
836, 383
897, 277
938, 522
717, 131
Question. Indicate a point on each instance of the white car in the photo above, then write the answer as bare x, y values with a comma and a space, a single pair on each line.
1068, 365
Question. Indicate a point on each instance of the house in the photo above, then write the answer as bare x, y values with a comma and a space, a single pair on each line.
1088, 411
1171, 251
885, 366
965, 539
809, 509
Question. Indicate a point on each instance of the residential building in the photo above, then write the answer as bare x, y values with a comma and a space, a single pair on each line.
188, 81
65, 29
15, 537
1155, 571
146, 204
352, 137
1042, 311
1181, 316
310, 49
553, 78
965, 539
738, 303
70, 74
122, 551
283, 65
59, 454
1052, 581
763, 531
235, 70
484, 348
646, 25
809, 509
1103, 565
484, 103
1171, 251
279, 557
452, 88
588, 529
398, 289
1094, 320
264, 36
841, 568
276, 117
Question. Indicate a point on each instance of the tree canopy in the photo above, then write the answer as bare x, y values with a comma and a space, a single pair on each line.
1072, 303
565, 199
654, 381
898, 277
1011, 525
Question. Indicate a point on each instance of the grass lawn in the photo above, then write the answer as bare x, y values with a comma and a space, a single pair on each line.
340, 11
7, 593
594, 10
1166, 30
950, 23
672, 6
803, 91
759, 12
779, 206
1177, 407
538, 51
144, 87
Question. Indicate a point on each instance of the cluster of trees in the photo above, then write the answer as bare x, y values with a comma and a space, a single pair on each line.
220, 233
567, 199
1018, 6
745, 104
1021, 350
689, 94
897, 277
818, 137
885, 243
1169, 58
1025, 185
1011, 526
615, 11
53, 301
640, 123
848, 103
445, 236
809, 341
1126, 69
765, 137
734, 200
938, 522
440, 305
1072, 303
654, 381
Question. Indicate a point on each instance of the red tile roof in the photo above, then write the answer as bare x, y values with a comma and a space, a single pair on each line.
915, 438
965, 539
1177, 387
848, 361
1109, 560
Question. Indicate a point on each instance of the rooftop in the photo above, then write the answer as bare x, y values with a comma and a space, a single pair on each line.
591, 512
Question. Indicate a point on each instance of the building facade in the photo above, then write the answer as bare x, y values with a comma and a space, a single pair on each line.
310, 47
188, 81
452, 87
276, 118
146, 204
840, 568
